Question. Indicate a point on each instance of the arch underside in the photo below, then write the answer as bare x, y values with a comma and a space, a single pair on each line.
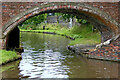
106, 31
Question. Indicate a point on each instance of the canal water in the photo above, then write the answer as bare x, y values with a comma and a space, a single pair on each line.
46, 56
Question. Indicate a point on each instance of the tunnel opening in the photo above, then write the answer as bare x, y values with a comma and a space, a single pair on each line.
13, 39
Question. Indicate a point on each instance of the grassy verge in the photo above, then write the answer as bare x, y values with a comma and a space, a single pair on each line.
7, 56
89, 41
82, 34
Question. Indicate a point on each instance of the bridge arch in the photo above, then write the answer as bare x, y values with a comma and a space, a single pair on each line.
107, 26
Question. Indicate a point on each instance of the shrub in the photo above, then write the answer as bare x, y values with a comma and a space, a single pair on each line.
83, 29
76, 29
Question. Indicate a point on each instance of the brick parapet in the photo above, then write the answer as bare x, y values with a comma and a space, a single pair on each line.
11, 9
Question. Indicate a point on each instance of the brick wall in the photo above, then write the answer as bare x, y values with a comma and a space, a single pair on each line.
11, 9
108, 52
110, 8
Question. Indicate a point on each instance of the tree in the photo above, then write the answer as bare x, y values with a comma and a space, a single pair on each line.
36, 19
65, 17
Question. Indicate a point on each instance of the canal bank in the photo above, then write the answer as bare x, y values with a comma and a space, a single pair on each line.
89, 38
107, 51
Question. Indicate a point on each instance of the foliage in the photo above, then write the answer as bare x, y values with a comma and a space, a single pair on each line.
82, 21
7, 56
28, 27
65, 17
33, 22
36, 19
83, 29
40, 26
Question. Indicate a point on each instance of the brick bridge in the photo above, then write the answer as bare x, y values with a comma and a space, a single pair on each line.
103, 15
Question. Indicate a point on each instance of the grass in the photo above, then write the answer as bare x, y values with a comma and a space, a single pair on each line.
6, 56
82, 34
90, 41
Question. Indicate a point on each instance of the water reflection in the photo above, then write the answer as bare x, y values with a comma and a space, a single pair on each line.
43, 56
46, 56
45, 64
